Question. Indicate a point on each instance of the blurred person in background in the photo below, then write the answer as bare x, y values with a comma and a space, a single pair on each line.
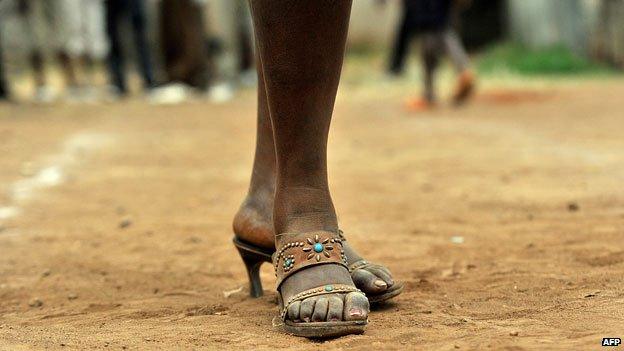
184, 48
118, 11
433, 21
49, 25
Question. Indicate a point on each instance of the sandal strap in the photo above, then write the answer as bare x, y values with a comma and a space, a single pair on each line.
358, 264
321, 290
341, 235
302, 250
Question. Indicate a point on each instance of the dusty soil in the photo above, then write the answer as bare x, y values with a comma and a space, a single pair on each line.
504, 219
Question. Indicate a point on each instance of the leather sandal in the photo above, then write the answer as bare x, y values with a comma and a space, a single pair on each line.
297, 252
393, 291
253, 257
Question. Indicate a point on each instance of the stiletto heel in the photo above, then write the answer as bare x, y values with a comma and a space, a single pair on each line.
253, 271
253, 258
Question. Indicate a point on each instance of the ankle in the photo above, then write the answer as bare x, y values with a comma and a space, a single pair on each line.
303, 209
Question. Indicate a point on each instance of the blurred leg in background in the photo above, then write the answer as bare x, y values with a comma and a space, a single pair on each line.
84, 43
186, 59
116, 12
183, 43
436, 19
408, 26
94, 44
4, 87
232, 33
116, 64
67, 18
454, 48
63, 18
138, 20
35, 16
431, 47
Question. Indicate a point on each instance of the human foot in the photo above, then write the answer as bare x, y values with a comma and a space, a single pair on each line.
374, 279
317, 295
252, 221
254, 232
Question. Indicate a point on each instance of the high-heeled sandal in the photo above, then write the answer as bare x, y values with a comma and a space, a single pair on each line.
393, 291
253, 256
300, 251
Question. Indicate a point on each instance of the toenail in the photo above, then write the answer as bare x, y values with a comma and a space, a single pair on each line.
355, 312
380, 283
306, 319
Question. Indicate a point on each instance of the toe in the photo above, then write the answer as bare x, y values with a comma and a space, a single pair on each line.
334, 310
306, 309
293, 311
320, 309
356, 307
382, 268
382, 273
368, 282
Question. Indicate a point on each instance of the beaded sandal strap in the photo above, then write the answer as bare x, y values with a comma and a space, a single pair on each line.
357, 265
321, 290
341, 235
302, 250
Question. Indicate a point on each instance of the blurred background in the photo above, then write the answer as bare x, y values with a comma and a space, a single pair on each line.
77, 50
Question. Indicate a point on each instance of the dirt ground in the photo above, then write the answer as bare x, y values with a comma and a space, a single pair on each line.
504, 219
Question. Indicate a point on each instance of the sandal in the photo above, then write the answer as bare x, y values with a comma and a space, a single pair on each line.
393, 291
300, 251
253, 257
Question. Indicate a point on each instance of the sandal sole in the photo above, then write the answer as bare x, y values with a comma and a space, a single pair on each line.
394, 291
324, 330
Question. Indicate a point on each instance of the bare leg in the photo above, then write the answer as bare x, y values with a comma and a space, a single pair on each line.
301, 46
253, 222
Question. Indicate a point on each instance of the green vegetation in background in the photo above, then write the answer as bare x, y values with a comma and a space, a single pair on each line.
556, 60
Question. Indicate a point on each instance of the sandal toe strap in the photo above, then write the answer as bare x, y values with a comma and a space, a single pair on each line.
321, 290
358, 264
302, 250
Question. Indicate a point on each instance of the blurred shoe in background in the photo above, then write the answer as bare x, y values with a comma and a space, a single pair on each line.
419, 105
170, 94
44, 95
465, 87
221, 93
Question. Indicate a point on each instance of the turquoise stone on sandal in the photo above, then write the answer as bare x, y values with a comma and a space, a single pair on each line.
318, 247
